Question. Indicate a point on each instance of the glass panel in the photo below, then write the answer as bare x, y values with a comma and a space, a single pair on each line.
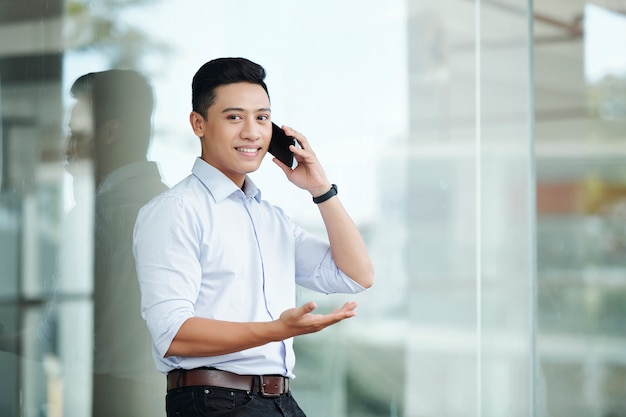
506, 238
580, 78
470, 251
30, 70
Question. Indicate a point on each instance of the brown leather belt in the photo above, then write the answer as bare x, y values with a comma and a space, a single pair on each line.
267, 386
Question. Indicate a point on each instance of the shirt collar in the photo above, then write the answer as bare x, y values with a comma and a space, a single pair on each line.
219, 185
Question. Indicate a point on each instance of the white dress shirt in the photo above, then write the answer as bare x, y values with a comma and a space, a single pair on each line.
206, 248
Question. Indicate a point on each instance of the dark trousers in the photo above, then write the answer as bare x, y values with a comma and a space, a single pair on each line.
226, 402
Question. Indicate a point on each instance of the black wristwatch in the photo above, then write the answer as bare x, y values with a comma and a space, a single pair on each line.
330, 193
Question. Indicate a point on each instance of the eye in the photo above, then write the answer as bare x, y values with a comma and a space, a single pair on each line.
264, 117
233, 117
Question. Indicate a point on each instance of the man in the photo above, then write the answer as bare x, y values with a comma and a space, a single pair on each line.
110, 129
217, 265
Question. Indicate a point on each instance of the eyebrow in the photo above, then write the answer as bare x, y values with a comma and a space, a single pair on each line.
229, 109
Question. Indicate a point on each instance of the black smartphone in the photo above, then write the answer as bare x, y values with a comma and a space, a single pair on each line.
279, 145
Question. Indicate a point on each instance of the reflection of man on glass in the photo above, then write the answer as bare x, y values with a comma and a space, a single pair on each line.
111, 123
218, 266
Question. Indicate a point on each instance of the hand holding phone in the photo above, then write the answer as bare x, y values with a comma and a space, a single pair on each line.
279, 145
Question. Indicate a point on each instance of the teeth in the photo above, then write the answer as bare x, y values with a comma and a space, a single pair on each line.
247, 150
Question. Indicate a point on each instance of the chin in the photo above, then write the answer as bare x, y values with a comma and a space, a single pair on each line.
252, 167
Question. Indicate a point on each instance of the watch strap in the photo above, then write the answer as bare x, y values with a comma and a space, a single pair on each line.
330, 193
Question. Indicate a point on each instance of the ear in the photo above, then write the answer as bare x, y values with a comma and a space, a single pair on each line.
197, 123
109, 132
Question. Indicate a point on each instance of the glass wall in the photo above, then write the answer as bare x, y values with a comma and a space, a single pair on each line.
469, 251
426, 114
580, 72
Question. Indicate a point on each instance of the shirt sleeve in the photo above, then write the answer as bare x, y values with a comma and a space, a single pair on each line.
166, 249
316, 268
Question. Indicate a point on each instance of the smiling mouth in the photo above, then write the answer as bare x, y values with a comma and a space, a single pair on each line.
248, 150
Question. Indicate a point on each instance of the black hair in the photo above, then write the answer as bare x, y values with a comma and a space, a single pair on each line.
222, 71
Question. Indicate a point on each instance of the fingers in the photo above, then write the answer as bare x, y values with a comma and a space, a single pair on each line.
338, 314
309, 173
299, 313
346, 311
302, 140
347, 307
300, 320
287, 170
293, 132
303, 313
308, 307
301, 153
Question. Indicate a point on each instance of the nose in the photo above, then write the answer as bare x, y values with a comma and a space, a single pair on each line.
79, 145
251, 130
